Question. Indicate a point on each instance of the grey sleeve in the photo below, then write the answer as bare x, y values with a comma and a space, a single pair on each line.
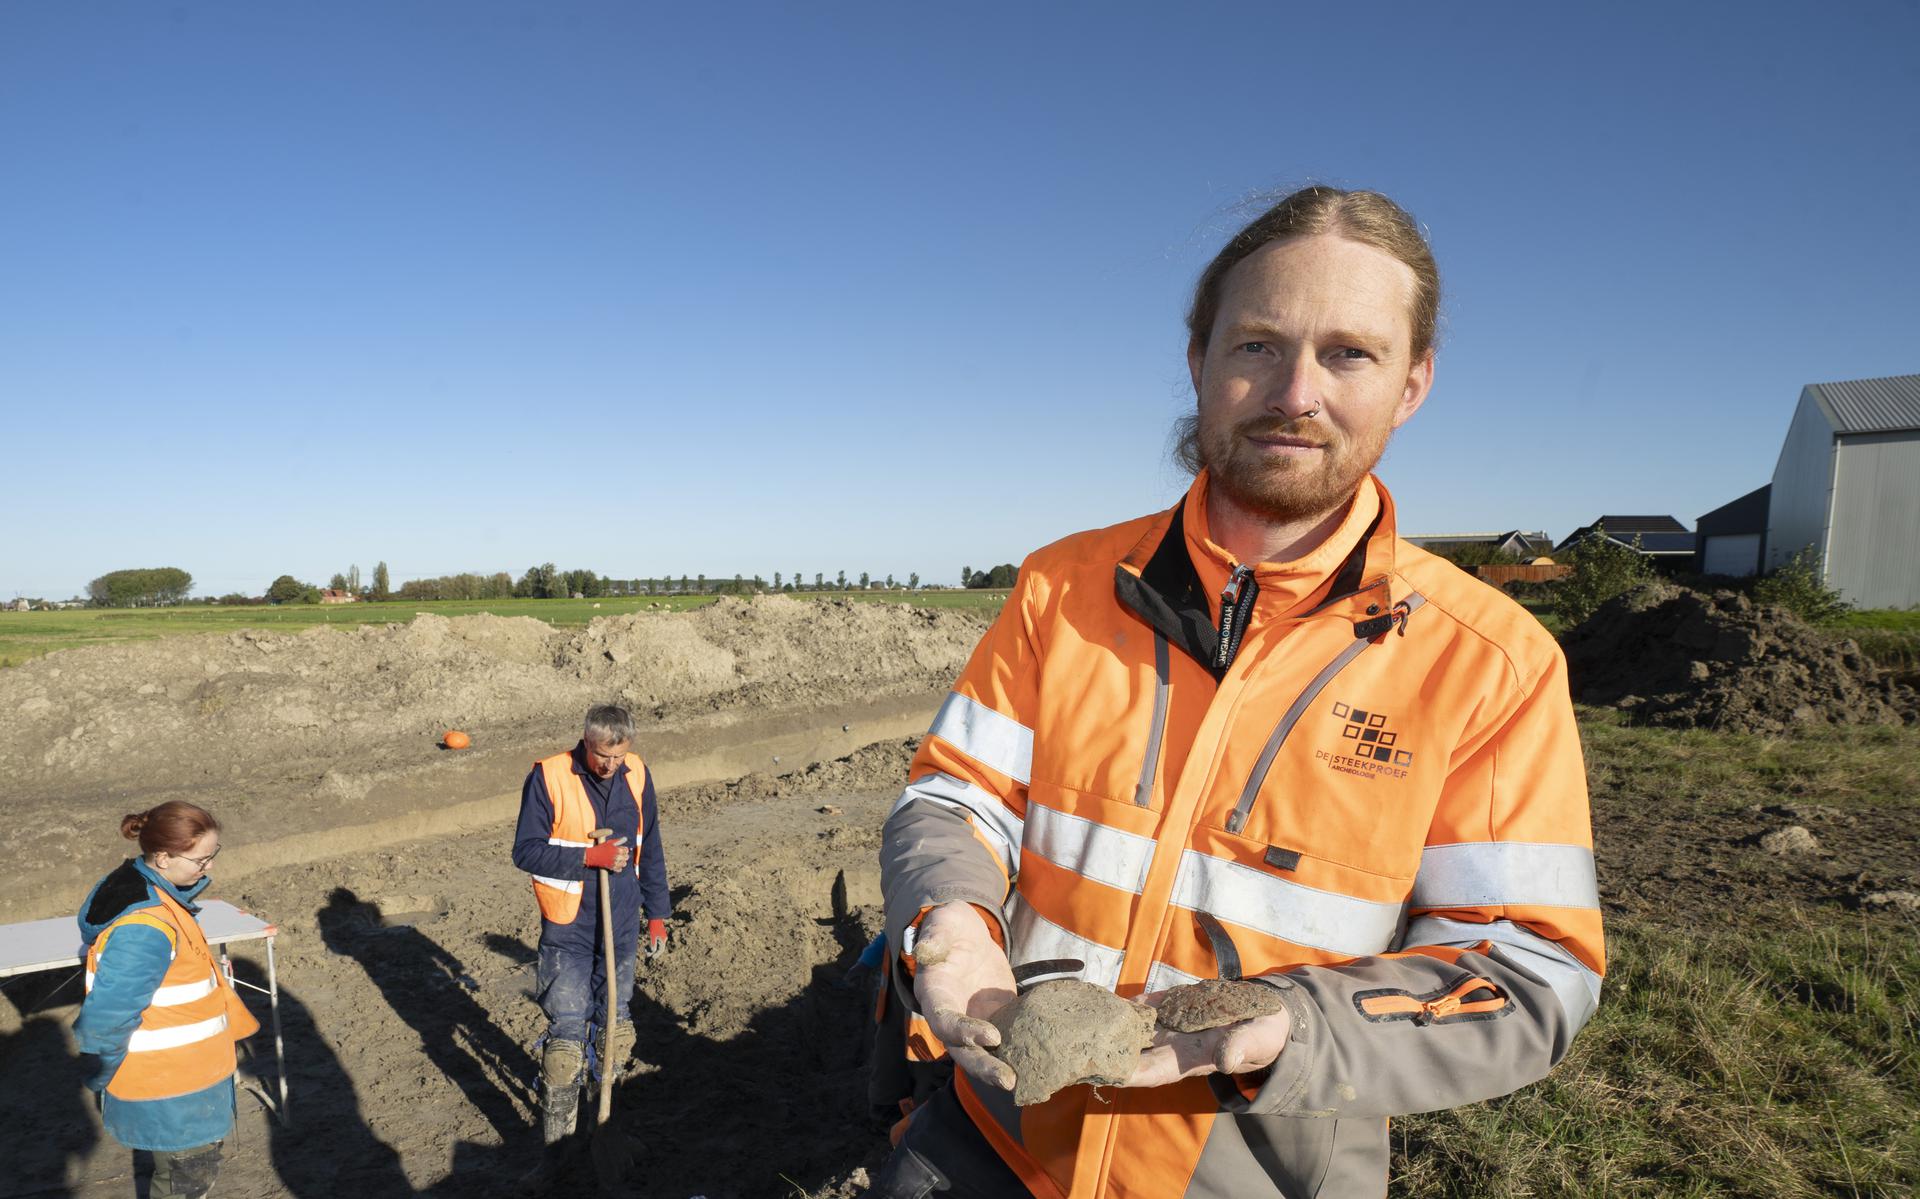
929, 855
1379, 1037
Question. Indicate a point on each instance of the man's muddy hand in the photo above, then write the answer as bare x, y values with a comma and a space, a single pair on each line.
961, 978
1240, 1048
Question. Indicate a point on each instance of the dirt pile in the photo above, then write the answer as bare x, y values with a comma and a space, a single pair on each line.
1685, 659
181, 710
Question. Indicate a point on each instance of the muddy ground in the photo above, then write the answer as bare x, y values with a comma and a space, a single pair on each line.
405, 974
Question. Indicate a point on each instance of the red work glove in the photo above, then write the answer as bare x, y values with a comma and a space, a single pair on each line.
656, 937
609, 855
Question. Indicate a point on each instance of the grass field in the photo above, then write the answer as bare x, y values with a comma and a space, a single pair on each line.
1889, 637
25, 635
1756, 1036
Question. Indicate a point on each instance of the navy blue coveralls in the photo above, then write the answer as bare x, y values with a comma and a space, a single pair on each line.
571, 973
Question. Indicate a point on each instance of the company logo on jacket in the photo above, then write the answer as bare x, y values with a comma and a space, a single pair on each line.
1368, 748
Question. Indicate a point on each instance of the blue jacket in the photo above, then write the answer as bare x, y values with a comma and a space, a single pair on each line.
641, 886
129, 971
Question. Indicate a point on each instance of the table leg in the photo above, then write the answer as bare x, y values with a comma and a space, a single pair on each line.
279, 1047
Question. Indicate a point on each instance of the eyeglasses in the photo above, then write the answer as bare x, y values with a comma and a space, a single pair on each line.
200, 862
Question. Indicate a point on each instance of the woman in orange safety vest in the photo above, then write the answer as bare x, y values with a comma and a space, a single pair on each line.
160, 1018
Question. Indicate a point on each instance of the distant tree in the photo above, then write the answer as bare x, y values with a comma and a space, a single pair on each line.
1003, 575
337, 583
913, 582
583, 583
819, 581
353, 579
382, 581
683, 584
841, 582
140, 588
863, 580
540, 582
1602, 569
234, 599
966, 576
776, 580
285, 589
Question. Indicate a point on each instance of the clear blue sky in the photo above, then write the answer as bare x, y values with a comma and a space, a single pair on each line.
666, 289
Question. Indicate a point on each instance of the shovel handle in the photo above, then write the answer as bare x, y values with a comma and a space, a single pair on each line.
606, 1027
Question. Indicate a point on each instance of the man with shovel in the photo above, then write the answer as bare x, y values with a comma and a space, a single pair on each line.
597, 786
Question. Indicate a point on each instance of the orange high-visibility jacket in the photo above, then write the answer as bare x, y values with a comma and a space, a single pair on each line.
186, 1035
573, 824
1356, 776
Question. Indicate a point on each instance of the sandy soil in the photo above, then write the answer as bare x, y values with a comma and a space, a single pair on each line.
405, 972
310, 744
406, 936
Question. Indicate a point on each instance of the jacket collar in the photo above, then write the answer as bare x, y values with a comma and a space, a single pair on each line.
1173, 577
184, 896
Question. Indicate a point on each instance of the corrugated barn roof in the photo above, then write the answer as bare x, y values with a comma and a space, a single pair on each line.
1873, 405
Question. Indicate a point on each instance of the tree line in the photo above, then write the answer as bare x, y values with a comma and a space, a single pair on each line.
140, 588
170, 585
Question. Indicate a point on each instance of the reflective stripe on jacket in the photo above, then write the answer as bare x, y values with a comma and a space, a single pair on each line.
184, 1042
1356, 776
573, 825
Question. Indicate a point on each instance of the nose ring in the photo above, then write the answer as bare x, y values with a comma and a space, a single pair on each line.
1314, 413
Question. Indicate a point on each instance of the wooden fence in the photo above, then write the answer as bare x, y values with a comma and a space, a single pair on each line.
1500, 576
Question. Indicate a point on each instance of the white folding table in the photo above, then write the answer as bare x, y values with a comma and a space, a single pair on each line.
41, 945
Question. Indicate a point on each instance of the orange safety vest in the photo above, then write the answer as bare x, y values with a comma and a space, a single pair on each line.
1332, 795
573, 824
186, 1035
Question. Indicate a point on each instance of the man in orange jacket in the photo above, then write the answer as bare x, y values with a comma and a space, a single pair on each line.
599, 783
1255, 737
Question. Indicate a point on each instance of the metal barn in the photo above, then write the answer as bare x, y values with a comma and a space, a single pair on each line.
1848, 484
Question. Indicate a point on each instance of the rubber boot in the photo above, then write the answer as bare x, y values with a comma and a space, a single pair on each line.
623, 1042
560, 1099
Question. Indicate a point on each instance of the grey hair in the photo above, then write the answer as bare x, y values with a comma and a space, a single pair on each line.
608, 724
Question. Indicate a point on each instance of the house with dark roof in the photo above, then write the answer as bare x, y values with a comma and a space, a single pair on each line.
1847, 484
1664, 540
1518, 542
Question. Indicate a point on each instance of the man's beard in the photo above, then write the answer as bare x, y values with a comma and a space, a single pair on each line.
1285, 488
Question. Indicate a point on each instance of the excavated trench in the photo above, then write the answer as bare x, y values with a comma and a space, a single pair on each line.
329, 740
778, 733
407, 975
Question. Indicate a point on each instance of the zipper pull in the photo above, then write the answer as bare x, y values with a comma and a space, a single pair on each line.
1402, 612
1437, 1009
1236, 605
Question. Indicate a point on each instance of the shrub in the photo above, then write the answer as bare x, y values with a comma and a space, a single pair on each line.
1796, 586
1602, 569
